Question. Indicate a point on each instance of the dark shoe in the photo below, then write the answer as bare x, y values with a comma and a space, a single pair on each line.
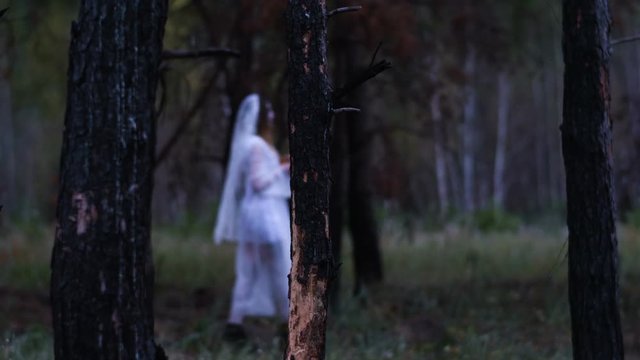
235, 334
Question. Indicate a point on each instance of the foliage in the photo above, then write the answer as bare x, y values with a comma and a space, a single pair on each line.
491, 220
632, 219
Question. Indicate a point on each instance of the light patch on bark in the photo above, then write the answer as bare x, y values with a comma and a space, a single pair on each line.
86, 214
306, 39
326, 224
115, 319
103, 284
306, 311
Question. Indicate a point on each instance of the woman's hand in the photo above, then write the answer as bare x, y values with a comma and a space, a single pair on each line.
285, 163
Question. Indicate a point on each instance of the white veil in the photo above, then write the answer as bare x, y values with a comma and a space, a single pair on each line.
243, 132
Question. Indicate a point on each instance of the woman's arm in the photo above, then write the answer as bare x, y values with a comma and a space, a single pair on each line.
261, 172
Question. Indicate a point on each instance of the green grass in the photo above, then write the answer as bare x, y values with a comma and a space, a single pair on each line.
451, 294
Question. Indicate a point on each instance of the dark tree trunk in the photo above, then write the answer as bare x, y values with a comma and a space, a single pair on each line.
102, 270
309, 141
336, 201
364, 233
586, 146
349, 142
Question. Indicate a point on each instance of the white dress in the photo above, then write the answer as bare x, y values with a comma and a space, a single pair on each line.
264, 236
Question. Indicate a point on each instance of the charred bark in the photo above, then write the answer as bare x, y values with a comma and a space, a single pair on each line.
586, 146
309, 141
102, 270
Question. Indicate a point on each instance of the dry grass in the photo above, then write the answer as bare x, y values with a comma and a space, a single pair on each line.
454, 294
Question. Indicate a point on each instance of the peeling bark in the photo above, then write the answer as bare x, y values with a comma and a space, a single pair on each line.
586, 146
309, 141
102, 270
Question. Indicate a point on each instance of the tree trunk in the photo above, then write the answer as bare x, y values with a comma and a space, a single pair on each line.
468, 132
102, 270
441, 161
504, 90
337, 203
362, 223
586, 146
338, 175
7, 147
633, 81
309, 141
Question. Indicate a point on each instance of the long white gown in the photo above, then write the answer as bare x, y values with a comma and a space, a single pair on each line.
263, 236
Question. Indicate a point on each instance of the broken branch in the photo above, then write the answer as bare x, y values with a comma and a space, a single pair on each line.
345, 109
366, 75
343, 10
625, 40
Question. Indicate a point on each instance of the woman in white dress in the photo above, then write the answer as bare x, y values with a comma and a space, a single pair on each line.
254, 212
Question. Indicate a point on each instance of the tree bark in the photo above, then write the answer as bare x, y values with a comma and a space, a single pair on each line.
504, 90
633, 83
586, 146
102, 269
309, 141
468, 132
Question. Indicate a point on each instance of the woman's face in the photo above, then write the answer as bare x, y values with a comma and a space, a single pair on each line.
268, 120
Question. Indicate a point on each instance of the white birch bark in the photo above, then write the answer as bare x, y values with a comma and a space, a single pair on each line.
468, 132
440, 159
504, 92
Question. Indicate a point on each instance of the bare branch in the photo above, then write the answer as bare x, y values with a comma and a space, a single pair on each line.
625, 40
345, 109
200, 53
375, 53
186, 119
343, 10
366, 75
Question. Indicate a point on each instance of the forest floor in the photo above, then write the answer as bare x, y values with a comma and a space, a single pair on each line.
452, 294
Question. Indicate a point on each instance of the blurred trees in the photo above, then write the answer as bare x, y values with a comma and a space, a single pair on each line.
416, 133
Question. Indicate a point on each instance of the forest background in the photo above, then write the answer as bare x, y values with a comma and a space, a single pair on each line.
458, 141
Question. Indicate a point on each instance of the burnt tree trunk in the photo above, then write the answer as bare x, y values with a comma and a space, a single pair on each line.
102, 270
586, 146
309, 141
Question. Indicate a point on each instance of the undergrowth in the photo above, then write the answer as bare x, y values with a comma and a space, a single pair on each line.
451, 294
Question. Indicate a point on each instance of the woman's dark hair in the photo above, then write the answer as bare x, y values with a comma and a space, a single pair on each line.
267, 116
